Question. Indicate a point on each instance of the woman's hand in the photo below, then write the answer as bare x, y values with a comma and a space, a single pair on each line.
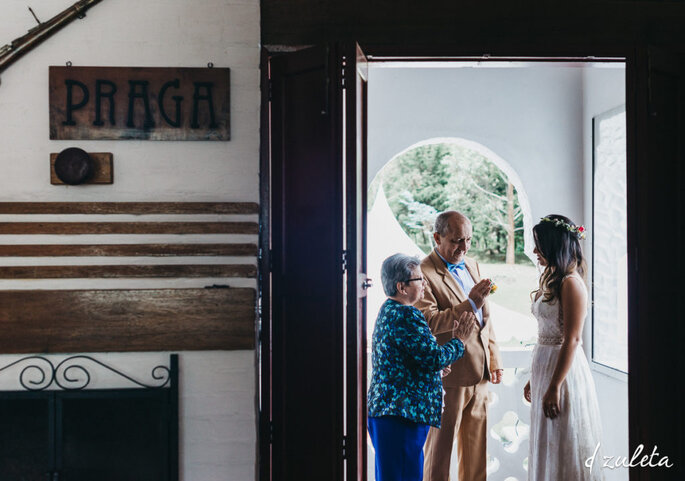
550, 402
465, 326
526, 391
445, 371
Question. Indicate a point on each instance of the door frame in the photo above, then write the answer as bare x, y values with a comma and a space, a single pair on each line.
635, 57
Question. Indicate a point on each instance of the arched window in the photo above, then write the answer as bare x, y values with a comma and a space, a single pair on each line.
456, 174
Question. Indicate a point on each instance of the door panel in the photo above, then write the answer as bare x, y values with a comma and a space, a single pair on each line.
356, 77
317, 210
307, 284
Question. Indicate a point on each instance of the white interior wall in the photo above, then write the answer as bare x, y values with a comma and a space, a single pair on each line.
218, 430
514, 112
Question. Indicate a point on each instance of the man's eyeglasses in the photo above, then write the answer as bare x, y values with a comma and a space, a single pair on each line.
422, 279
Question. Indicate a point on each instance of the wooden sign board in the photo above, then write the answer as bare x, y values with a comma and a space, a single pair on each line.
140, 103
102, 166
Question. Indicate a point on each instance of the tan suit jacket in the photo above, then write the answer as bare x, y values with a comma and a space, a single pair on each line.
442, 303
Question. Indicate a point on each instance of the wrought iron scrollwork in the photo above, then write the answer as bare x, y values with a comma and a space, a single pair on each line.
26, 375
72, 374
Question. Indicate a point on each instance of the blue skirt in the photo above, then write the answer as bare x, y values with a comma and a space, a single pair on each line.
398, 443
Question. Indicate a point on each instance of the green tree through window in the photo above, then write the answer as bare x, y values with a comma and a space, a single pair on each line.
428, 179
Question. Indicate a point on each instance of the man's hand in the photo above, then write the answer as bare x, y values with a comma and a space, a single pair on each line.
496, 376
479, 292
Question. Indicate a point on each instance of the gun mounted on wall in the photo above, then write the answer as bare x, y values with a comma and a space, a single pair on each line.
20, 46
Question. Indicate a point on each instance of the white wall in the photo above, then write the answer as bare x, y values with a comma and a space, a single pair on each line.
530, 117
218, 433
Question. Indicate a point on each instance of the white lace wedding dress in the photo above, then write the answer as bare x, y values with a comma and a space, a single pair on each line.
559, 447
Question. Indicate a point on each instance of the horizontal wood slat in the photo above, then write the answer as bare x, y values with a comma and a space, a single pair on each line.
121, 271
127, 250
83, 228
126, 320
135, 208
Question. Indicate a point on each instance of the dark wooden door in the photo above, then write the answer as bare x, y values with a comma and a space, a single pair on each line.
355, 72
317, 204
656, 176
307, 259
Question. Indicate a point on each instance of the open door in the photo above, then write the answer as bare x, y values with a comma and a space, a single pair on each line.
355, 78
316, 229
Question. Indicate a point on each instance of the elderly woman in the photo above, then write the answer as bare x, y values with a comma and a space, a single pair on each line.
405, 396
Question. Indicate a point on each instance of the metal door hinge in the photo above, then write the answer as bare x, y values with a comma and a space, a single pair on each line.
344, 447
344, 260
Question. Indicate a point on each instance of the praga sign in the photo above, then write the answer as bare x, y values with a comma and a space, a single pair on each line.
142, 103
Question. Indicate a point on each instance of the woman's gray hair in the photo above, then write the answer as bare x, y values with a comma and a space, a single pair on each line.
397, 268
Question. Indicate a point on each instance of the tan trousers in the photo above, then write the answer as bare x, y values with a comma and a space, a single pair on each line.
465, 416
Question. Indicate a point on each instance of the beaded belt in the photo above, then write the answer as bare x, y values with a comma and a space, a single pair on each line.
550, 341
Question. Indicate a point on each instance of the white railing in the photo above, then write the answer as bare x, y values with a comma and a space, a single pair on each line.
509, 420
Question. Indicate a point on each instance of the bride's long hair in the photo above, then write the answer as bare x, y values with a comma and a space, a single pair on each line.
560, 247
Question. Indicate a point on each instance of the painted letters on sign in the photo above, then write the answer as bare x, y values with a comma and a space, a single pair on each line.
92, 103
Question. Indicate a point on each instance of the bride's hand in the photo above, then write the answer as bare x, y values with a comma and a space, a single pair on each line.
550, 402
526, 391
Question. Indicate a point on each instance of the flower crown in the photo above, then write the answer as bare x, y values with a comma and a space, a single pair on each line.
577, 230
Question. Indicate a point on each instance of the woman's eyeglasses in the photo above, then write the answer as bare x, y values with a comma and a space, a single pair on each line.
422, 279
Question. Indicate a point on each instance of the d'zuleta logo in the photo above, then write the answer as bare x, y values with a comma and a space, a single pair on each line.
646, 461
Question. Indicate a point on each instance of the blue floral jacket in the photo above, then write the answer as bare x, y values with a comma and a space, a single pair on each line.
406, 365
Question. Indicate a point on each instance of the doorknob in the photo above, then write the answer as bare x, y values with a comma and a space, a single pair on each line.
366, 283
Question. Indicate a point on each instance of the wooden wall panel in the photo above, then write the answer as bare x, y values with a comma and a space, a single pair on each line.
126, 320
136, 208
120, 271
126, 250
96, 228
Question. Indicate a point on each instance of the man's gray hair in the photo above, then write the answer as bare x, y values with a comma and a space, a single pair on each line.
397, 268
442, 221
442, 225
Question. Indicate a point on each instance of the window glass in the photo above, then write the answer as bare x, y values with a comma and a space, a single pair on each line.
609, 243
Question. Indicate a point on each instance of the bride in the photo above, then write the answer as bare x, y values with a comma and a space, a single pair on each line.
565, 423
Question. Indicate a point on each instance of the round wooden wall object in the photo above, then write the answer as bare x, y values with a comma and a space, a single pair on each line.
74, 166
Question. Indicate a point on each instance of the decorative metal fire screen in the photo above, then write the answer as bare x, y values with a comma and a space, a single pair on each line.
58, 427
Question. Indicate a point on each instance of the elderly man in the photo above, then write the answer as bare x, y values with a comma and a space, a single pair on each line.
454, 286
